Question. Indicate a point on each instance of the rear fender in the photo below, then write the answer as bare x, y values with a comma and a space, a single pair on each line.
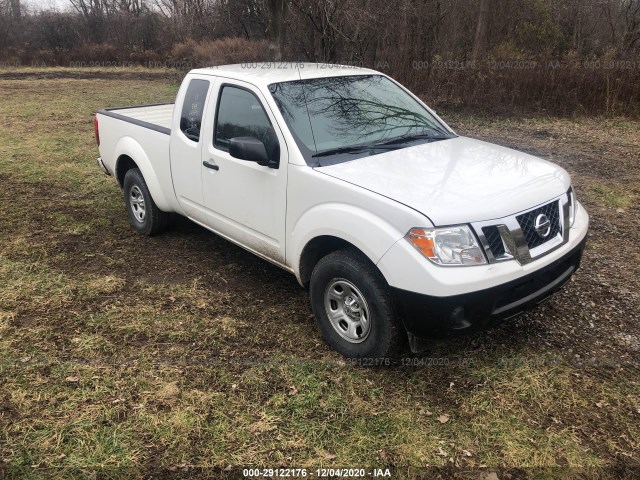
129, 147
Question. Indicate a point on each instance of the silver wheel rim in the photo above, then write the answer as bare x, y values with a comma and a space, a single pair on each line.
137, 203
347, 310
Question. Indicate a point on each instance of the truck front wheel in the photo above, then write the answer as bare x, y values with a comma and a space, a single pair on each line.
353, 307
144, 215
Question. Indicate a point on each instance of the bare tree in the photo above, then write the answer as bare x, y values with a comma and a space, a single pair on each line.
15, 9
277, 15
480, 41
631, 18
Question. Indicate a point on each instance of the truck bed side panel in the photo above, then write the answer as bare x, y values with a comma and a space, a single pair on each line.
149, 149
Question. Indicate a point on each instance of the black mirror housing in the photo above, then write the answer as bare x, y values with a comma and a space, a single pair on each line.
248, 148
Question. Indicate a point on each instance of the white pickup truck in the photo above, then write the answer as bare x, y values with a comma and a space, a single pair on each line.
398, 227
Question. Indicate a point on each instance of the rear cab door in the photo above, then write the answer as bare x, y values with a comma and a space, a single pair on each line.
244, 201
186, 144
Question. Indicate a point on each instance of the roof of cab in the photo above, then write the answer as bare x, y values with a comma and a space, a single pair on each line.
266, 73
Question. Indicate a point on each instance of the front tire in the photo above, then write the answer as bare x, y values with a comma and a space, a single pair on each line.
144, 215
353, 307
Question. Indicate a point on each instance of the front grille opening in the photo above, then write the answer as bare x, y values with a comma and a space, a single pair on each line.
527, 224
494, 240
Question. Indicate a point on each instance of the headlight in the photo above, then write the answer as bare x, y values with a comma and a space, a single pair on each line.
447, 246
573, 205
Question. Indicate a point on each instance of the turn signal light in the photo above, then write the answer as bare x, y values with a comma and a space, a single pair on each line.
424, 243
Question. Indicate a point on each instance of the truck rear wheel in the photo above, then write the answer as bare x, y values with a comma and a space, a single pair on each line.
144, 214
353, 307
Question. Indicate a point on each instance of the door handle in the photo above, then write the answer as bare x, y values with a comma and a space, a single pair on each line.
212, 166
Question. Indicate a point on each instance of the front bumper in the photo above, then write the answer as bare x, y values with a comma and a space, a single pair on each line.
431, 316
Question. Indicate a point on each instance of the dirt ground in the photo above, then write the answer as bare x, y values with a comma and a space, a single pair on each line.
183, 354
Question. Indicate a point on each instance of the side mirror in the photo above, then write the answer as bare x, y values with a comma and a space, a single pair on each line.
248, 148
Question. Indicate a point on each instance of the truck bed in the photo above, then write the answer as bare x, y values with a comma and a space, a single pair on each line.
155, 117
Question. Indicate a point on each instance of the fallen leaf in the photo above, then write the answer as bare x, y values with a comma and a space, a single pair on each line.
327, 455
444, 418
383, 456
168, 392
441, 452
599, 404
467, 453
72, 379
293, 390
492, 476
261, 426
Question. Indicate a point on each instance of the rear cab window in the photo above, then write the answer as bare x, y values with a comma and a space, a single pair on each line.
192, 109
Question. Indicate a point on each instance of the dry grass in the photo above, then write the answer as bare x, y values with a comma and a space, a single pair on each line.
183, 354
220, 52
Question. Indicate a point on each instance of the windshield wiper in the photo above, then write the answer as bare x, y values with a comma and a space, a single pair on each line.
409, 138
375, 146
351, 149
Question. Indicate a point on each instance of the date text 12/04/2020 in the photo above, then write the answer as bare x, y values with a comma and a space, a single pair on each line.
316, 473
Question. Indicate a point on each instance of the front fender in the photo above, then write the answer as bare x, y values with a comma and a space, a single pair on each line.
369, 233
127, 146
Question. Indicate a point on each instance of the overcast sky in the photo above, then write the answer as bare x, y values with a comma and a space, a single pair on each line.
47, 4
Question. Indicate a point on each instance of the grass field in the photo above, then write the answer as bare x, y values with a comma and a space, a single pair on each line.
126, 356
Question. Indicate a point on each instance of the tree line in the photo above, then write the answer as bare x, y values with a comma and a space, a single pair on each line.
594, 45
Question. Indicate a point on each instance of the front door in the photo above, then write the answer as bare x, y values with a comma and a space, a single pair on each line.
245, 201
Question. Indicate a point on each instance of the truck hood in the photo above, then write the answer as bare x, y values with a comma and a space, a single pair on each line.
459, 180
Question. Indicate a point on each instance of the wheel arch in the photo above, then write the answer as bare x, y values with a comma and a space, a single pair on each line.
316, 249
332, 226
130, 154
124, 163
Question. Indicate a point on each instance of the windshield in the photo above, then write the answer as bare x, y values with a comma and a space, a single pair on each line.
360, 114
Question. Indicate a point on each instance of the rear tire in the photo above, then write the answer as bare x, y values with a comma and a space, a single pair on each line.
144, 214
353, 307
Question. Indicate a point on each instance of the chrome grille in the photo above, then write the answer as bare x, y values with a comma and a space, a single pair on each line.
492, 234
527, 224
515, 236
